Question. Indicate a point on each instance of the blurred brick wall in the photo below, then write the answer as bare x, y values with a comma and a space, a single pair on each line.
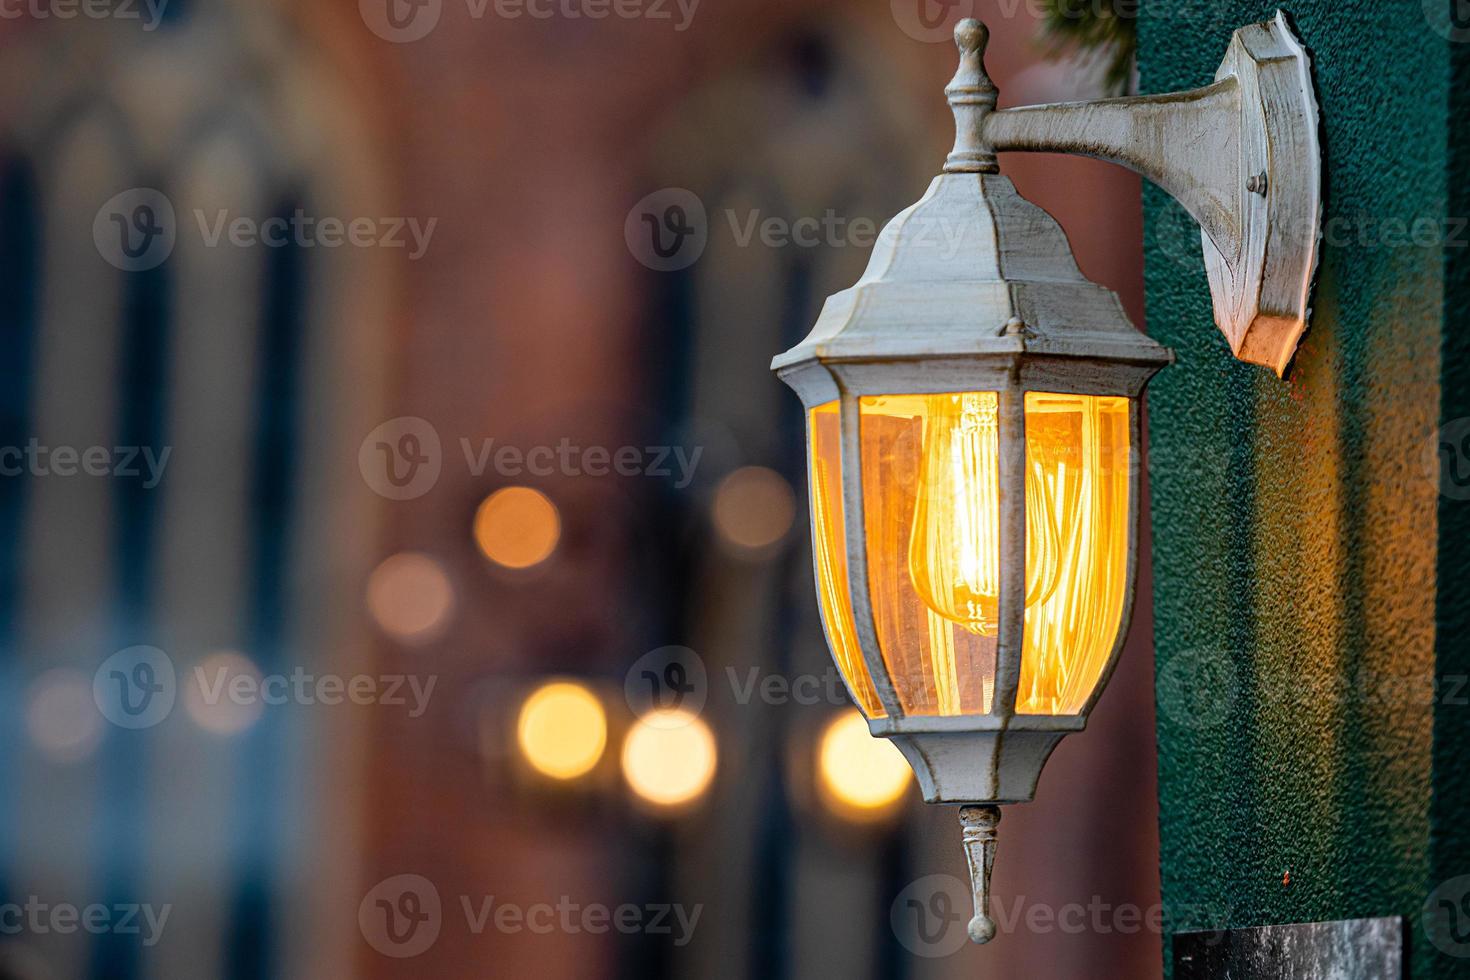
527, 139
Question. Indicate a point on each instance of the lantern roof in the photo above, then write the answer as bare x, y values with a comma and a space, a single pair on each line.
973, 269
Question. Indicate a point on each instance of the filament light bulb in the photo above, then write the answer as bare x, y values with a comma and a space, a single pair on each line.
954, 548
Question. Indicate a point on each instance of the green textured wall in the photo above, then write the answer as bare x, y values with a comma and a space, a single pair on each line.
1303, 554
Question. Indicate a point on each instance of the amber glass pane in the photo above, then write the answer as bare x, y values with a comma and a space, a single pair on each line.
1077, 469
830, 544
929, 485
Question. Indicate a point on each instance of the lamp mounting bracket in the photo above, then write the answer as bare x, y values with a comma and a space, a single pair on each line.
1241, 155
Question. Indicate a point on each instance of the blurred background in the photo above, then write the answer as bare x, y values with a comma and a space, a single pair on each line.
404, 567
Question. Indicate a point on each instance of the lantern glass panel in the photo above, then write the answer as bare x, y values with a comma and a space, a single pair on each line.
1077, 454
829, 544
931, 520
930, 466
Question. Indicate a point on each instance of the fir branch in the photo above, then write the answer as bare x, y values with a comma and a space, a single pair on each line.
1104, 29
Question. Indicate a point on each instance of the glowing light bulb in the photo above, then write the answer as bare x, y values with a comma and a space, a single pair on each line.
954, 549
669, 758
862, 777
517, 527
562, 730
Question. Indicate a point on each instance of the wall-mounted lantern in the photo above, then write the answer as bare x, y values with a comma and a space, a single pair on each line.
973, 416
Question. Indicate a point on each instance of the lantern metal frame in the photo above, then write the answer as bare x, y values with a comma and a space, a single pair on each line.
1007, 310
995, 757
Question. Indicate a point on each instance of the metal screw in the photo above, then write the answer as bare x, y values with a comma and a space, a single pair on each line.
1256, 184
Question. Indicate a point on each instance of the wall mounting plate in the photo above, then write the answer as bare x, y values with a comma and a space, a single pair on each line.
1262, 293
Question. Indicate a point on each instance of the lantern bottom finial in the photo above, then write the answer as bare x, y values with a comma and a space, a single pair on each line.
979, 834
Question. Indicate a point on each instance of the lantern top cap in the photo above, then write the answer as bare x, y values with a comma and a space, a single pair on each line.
973, 270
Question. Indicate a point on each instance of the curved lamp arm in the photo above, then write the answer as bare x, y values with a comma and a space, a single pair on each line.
1241, 155
1186, 142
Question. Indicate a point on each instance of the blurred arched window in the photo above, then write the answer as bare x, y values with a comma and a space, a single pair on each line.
211, 379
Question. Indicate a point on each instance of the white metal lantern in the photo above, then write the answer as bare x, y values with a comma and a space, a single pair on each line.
972, 405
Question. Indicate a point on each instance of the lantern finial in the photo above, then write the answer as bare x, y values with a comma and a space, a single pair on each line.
971, 98
979, 823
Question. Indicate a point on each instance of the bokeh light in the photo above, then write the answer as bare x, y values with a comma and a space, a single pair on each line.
209, 698
410, 597
61, 717
517, 527
860, 776
669, 757
754, 508
562, 729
